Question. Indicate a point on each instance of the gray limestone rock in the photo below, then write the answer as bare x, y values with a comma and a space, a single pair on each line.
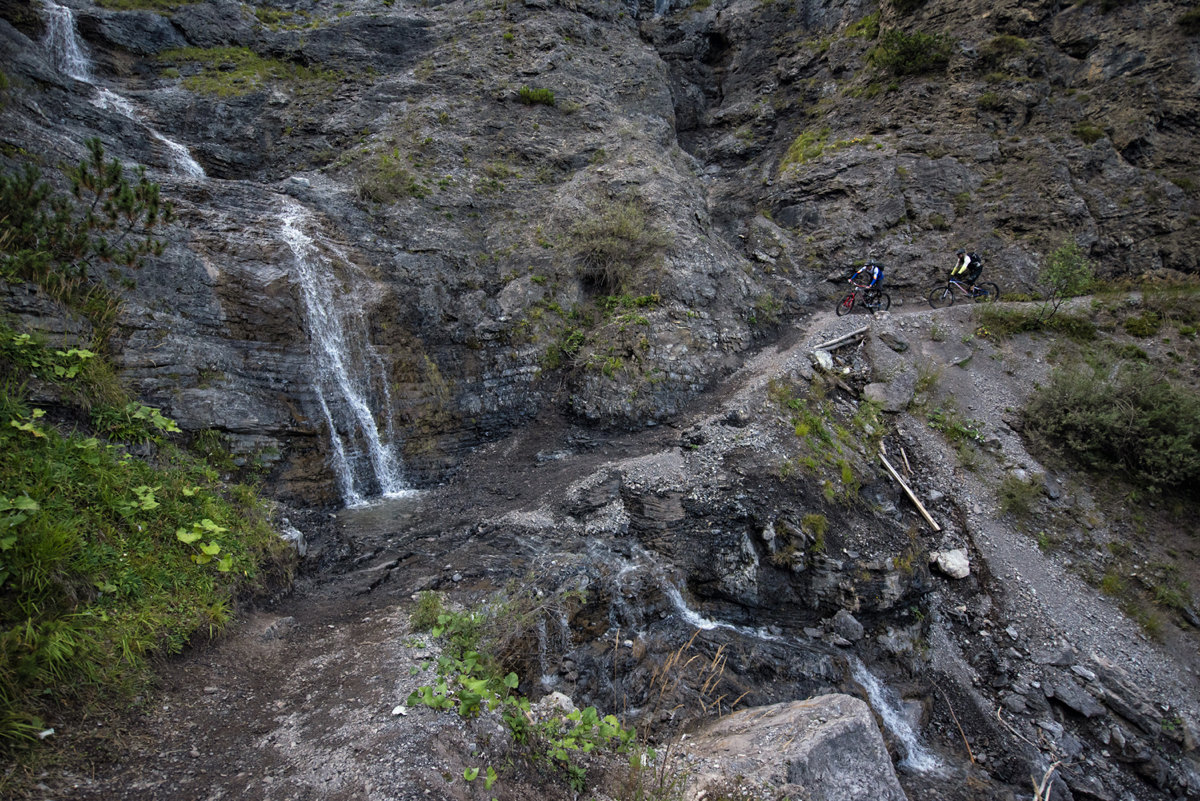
953, 563
1074, 697
827, 748
845, 625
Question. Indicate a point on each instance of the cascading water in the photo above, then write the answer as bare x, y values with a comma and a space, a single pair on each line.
71, 58
64, 44
887, 705
348, 370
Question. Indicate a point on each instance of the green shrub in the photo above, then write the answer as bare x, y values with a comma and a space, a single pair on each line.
990, 101
865, 28
807, 146
530, 96
1001, 322
994, 52
912, 53
1018, 497
61, 243
614, 244
429, 607
1129, 419
1088, 132
388, 179
1145, 324
1066, 274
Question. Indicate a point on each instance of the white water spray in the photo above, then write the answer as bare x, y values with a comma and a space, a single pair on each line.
887, 705
71, 58
348, 371
64, 44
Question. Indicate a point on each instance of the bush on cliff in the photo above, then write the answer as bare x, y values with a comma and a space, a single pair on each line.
1125, 419
615, 244
912, 53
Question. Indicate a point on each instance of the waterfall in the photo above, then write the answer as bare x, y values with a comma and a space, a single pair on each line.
349, 372
887, 705
64, 44
71, 59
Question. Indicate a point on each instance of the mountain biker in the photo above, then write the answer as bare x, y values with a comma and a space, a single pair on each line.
969, 265
870, 272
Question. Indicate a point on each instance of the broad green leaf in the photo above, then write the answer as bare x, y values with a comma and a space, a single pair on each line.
470, 773
25, 503
183, 535
212, 548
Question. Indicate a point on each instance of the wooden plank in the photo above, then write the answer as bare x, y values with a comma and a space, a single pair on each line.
920, 506
838, 342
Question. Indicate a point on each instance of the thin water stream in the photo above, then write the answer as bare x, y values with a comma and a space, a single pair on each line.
70, 57
349, 375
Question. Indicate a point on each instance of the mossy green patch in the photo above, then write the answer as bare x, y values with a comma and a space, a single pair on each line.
234, 71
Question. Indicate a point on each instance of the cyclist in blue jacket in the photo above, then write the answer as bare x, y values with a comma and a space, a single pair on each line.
870, 272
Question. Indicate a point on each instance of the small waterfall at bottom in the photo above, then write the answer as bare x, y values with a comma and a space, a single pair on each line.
887, 705
348, 373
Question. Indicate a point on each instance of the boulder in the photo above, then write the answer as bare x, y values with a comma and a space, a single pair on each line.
845, 625
955, 563
892, 396
827, 748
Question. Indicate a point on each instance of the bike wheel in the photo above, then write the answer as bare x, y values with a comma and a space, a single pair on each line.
879, 301
845, 305
941, 297
987, 292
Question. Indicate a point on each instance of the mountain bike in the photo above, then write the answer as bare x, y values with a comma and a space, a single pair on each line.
873, 300
943, 295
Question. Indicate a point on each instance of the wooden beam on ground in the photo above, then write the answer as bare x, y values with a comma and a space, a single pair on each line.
844, 339
920, 507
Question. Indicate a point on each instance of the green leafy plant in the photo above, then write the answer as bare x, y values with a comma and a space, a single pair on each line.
531, 96
471, 678
205, 552
915, 53
1066, 274
91, 588
1129, 419
133, 422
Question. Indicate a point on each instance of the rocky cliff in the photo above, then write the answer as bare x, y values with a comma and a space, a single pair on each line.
419, 241
595, 205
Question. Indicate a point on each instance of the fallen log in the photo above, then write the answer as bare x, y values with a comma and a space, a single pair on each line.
920, 506
844, 339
